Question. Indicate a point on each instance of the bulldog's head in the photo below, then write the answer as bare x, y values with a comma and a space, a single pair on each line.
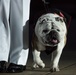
50, 29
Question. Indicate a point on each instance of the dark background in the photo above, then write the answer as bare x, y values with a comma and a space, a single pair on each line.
68, 6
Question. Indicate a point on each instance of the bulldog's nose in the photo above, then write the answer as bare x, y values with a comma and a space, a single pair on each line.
53, 33
53, 36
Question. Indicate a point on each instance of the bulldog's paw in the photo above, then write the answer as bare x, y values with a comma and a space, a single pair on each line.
39, 65
54, 69
35, 66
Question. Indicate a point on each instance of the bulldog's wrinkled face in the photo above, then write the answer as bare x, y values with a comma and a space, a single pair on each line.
50, 29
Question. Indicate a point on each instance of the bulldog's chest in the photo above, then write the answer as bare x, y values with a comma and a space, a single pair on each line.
47, 49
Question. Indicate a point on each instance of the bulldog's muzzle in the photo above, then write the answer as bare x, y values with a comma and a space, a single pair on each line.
52, 37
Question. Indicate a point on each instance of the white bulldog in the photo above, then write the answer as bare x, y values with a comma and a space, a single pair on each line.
50, 35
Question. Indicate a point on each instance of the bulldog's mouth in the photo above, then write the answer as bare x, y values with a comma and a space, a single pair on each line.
52, 38
54, 41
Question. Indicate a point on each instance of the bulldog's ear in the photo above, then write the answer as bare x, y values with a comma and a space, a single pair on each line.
66, 17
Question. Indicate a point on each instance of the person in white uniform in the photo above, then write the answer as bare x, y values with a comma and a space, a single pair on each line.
13, 15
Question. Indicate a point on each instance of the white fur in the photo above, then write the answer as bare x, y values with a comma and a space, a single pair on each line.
55, 60
56, 56
39, 28
57, 53
37, 59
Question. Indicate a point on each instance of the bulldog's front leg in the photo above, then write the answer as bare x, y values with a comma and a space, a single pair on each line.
37, 60
55, 57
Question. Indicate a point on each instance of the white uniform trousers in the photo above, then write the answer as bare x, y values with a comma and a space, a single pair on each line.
11, 30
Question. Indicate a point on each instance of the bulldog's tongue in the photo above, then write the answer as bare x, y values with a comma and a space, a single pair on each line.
55, 41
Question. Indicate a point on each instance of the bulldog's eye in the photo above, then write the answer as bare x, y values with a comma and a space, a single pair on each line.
61, 20
58, 30
45, 31
57, 19
43, 20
